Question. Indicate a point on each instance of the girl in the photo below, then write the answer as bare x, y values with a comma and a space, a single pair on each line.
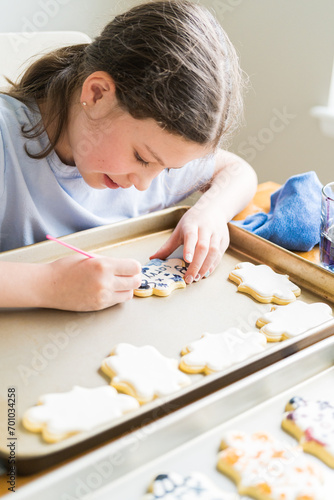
127, 124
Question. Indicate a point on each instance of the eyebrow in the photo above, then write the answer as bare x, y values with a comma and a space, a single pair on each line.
159, 160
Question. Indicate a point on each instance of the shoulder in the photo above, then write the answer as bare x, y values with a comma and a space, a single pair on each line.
16, 114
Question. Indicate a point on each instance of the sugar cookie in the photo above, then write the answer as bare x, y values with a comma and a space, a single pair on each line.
216, 352
161, 277
193, 486
262, 283
294, 319
312, 424
266, 469
60, 415
143, 372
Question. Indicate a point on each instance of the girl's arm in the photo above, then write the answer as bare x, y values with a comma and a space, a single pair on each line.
71, 283
203, 229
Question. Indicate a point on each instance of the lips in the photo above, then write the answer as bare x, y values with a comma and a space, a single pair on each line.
110, 183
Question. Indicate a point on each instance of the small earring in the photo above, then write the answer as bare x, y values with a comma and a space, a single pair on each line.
84, 103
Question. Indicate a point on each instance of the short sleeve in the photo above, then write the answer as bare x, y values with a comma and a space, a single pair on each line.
2, 164
180, 183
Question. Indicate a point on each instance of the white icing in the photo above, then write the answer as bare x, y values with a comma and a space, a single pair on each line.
80, 409
266, 282
221, 350
193, 486
316, 417
162, 275
294, 319
260, 459
146, 370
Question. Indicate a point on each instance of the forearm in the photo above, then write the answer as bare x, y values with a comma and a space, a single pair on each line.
22, 284
232, 187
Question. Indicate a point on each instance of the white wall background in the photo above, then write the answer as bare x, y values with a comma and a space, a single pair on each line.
285, 46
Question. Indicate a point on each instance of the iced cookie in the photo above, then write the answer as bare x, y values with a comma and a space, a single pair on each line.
216, 352
312, 424
193, 486
292, 320
161, 277
266, 469
60, 415
262, 283
143, 372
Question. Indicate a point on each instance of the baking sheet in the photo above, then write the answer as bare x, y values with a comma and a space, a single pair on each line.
189, 439
200, 454
50, 351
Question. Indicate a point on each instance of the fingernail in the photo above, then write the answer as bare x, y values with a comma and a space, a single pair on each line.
198, 277
189, 257
207, 274
189, 279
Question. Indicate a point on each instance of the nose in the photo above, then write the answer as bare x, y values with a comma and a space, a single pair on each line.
143, 180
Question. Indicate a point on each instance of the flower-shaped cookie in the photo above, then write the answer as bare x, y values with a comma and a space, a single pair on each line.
143, 372
266, 469
262, 283
292, 320
312, 424
193, 486
59, 415
161, 277
216, 352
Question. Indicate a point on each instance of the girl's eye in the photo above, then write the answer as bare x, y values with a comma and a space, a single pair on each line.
140, 160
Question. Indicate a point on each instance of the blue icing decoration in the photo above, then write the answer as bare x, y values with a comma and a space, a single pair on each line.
162, 273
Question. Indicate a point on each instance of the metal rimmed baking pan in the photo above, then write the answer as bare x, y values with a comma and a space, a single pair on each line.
46, 350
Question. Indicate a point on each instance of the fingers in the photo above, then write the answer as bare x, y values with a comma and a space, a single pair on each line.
169, 246
126, 283
216, 251
201, 250
189, 245
208, 253
126, 267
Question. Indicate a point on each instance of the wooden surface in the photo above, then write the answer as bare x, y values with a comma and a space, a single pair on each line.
260, 203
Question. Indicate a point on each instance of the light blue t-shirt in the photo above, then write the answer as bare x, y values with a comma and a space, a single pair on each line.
38, 197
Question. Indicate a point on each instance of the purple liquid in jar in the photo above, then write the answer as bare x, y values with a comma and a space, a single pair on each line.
327, 249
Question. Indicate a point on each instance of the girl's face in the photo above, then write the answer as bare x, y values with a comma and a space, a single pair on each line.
121, 151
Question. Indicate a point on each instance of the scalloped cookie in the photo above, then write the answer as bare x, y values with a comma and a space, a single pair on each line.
264, 284
143, 372
266, 469
161, 277
294, 319
216, 352
60, 415
193, 486
312, 424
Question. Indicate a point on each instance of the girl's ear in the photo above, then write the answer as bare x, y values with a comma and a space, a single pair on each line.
98, 95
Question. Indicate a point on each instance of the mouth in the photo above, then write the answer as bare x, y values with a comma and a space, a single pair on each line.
110, 183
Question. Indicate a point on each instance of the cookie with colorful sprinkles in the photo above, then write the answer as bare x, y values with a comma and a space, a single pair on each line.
264, 468
311, 422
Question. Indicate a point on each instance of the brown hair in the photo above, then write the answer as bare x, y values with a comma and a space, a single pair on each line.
170, 61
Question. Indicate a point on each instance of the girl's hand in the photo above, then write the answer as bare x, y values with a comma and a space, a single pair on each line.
80, 284
203, 229
205, 237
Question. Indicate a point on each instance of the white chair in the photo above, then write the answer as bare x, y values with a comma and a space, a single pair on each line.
18, 50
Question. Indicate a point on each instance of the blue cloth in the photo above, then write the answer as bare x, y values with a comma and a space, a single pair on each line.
293, 221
